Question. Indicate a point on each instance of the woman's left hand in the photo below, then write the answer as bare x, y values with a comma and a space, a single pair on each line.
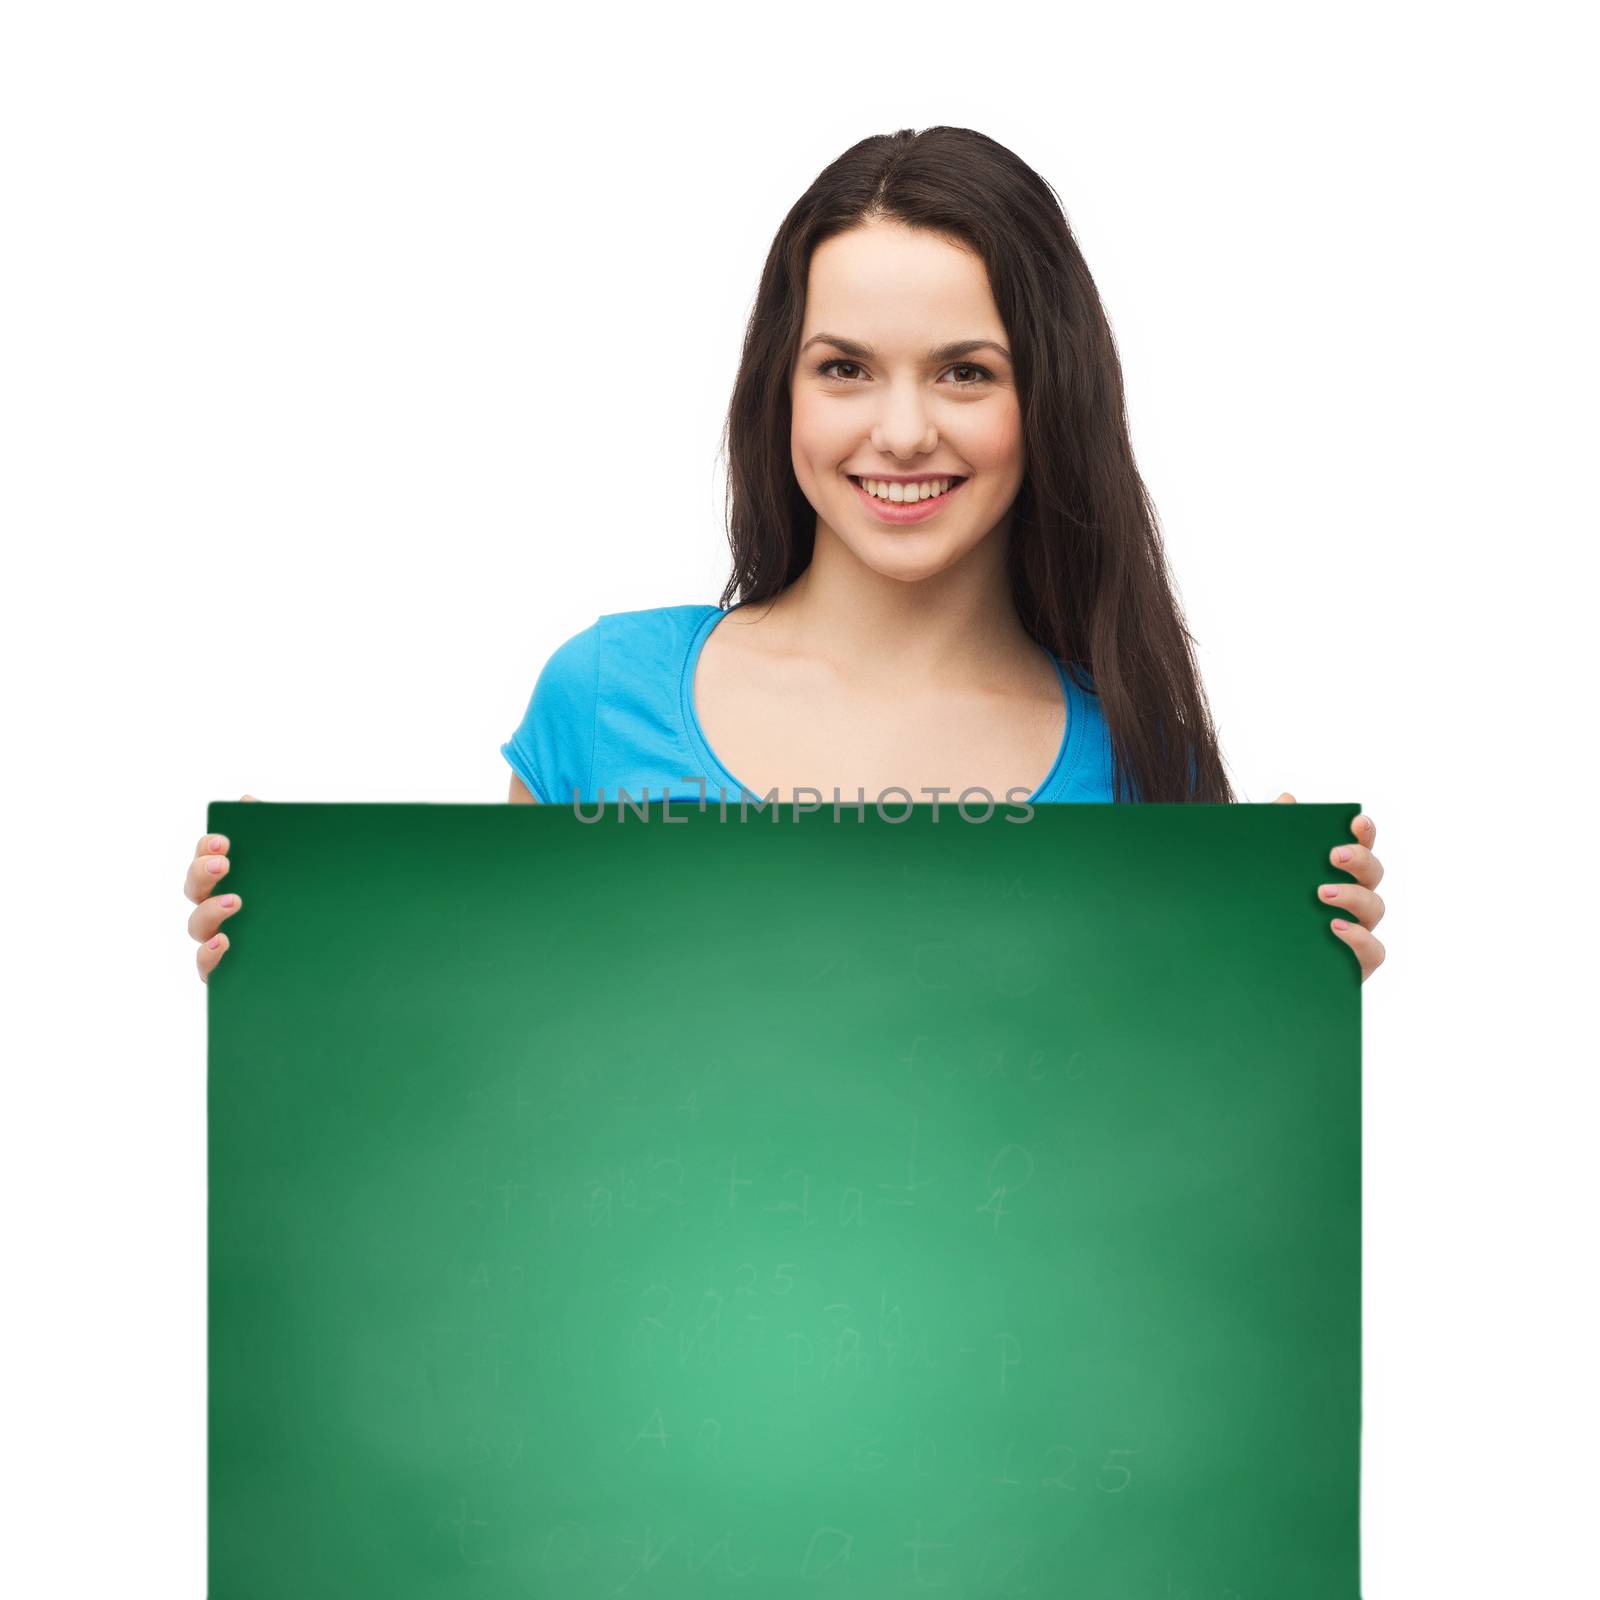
1358, 898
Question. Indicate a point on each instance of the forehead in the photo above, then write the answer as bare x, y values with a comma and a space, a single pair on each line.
887, 285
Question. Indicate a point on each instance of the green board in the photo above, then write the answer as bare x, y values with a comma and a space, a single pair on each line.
784, 1205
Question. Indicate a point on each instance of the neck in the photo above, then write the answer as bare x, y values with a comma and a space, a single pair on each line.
953, 627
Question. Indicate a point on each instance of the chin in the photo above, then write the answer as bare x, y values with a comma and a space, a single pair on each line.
908, 561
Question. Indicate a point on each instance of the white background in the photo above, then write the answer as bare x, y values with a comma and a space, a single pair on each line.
355, 356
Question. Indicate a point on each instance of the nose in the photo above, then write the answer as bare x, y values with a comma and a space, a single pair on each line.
903, 427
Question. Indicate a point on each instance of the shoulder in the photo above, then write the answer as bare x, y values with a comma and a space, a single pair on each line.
615, 645
652, 636
618, 655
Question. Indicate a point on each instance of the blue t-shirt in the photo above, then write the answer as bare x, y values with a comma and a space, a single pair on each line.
613, 709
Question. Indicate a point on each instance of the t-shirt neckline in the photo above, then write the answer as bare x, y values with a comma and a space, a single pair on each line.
1066, 752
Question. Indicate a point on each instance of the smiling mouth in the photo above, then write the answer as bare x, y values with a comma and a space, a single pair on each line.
881, 496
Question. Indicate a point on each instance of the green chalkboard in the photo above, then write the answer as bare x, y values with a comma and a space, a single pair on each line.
686, 1205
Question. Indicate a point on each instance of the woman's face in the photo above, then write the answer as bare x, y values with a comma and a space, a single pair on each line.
876, 393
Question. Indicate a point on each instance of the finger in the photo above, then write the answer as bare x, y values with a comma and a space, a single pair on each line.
1285, 797
1359, 862
1365, 830
209, 954
1362, 904
1369, 952
210, 914
205, 872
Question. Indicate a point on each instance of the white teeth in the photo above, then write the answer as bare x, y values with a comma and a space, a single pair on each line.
898, 492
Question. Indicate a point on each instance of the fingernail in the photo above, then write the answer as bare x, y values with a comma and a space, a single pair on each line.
217, 843
230, 899
1340, 924
1343, 853
214, 943
1329, 890
214, 866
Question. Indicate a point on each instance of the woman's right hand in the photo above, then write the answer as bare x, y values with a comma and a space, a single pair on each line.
206, 872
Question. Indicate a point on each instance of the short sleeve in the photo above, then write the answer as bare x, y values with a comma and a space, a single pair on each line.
552, 750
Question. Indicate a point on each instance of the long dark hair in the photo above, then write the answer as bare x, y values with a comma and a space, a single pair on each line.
1088, 571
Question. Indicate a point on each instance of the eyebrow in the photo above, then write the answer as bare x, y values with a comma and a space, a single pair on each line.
943, 352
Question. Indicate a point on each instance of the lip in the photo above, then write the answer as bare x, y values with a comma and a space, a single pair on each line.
919, 511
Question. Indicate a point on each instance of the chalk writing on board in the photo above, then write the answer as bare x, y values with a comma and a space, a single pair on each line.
826, 1549
719, 1558
647, 1553
464, 1523
930, 1057
1008, 1173
920, 885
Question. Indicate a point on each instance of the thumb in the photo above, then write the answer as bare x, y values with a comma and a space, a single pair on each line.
1281, 798
247, 797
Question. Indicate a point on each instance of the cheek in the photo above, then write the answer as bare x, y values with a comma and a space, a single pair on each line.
817, 432
994, 443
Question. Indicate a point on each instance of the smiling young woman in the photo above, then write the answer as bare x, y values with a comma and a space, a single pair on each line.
923, 317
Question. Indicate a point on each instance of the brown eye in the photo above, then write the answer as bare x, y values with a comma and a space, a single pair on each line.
823, 370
